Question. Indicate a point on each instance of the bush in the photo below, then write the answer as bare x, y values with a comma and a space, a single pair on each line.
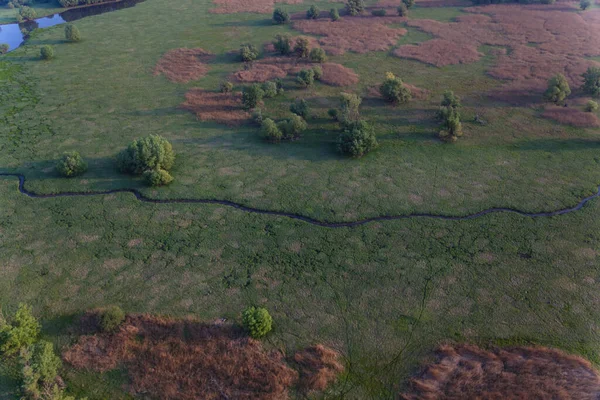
318, 72
306, 77
45, 361
317, 55
591, 81
378, 13
257, 117
357, 139
47, 52
4, 48
251, 96
393, 90
269, 89
226, 87
558, 89
270, 131
355, 7
111, 318
408, 3
26, 14
450, 100
22, 331
402, 10
333, 113
591, 106
283, 44
39, 372
148, 153
293, 127
349, 108
585, 4
157, 177
257, 321
71, 164
451, 128
300, 107
248, 52
280, 17
72, 33
302, 47
313, 12
334, 14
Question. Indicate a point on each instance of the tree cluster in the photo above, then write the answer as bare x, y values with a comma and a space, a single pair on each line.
393, 90
151, 156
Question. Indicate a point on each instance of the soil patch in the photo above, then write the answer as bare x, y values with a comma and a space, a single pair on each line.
571, 116
250, 6
224, 108
183, 65
469, 372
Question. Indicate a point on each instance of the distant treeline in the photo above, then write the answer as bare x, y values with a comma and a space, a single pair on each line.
73, 3
513, 1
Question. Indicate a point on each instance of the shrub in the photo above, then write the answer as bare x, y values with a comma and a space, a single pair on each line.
157, 177
257, 321
269, 89
313, 12
283, 44
591, 106
72, 33
4, 48
71, 164
280, 17
378, 13
299, 107
226, 87
355, 7
349, 108
45, 361
357, 139
334, 14
302, 47
318, 72
47, 52
148, 153
408, 3
293, 127
257, 117
333, 113
402, 10
317, 55
558, 89
585, 4
39, 372
450, 100
26, 14
111, 318
451, 128
248, 52
393, 90
251, 96
306, 77
22, 331
270, 131
591, 81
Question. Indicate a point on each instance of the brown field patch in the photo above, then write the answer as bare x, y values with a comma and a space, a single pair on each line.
469, 372
338, 75
319, 367
250, 6
183, 65
439, 52
224, 108
571, 116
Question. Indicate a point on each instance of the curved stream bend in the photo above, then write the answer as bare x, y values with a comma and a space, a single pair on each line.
299, 217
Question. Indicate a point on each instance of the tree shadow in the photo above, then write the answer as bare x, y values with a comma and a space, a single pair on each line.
555, 145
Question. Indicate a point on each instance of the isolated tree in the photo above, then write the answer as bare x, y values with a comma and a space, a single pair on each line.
334, 14
251, 96
152, 152
317, 55
4, 48
72, 33
451, 128
393, 90
450, 100
585, 4
283, 44
558, 89
306, 77
257, 321
355, 7
248, 52
591, 81
47, 52
402, 10
313, 12
300, 107
71, 164
292, 127
226, 87
22, 331
281, 17
302, 47
591, 106
357, 139
408, 3
270, 131
269, 89
318, 72
350, 104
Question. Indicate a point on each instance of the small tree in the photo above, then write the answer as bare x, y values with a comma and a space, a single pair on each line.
72, 33
269, 89
4, 48
591, 81
111, 318
148, 153
355, 7
591, 106
71, 164
26, 14
302, 47
408, 3
251, 96
257, 116
39, 372
226, 87
585, 4
257, 321
333, 114
558, 89
393, 90
22, 331
313, 12
270, 131
318, 71
47, 52
280, 17
306, 77
357, 139
283, 44
451, 128
248, 52
317, 55
349, 108
292, 127
300, 107
402, 10
450, 100
334, 14
157, 177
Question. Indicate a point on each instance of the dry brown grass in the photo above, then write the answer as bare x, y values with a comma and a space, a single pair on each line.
338, 75
224, 108
571, 116
439, 52
183, 65
319, 367
469, 372
251, 6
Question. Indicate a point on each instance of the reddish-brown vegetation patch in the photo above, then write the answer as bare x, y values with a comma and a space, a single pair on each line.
571, 116
338, 75
224, 108
319, 366
251, 6
439, 52
468, 372
183, 65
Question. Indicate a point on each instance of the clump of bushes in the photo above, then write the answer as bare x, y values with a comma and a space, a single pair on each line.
280, 16
72, 33
357, 139
449, 99
350, 104
257, 116
393, 90
300, 107
226, 87
257, 321
378, 13
449, 114
270, 131
248, 52
558, 89
270, 89
302, 47
251, 96
355, 7
71, 164
313, 12
111, 318
318, 71
292, 127
591, 106
333, 114
317, 55
591, 81
283, 44
585, 4
402, 10
4, 48
157, 177
151, 156
306, 77
47, 52
334, 14
26, 14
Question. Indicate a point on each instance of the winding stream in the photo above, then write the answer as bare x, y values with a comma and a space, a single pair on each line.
138, 195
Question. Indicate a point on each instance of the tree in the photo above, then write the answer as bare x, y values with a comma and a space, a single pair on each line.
302, 47
257, 321
591, 81
251, 96
71, 164
357, 139
317, 55
313, 12
393, 90
39, 373
270, 131
306, 77
292, 127
226, 87
157, 177
72, 33
334, 14
248, 52
300, 107
269, 89
21, 332
402, 10
148, 153
585, 4
47, 52
450, 100
318, 72
349, 108
26, 14
558, 89
451, 128
408, 3
111, 318
280, 17
4, 48
355, 7
591, 106
283, 44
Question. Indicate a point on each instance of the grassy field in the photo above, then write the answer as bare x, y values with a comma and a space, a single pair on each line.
384, 294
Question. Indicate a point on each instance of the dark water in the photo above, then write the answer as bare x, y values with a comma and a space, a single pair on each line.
14, 34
